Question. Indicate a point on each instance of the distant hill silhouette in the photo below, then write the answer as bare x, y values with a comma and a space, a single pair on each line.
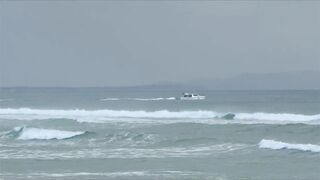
269, 81
251, 81
247, 81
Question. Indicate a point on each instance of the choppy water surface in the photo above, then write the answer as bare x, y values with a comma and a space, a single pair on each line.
97, 133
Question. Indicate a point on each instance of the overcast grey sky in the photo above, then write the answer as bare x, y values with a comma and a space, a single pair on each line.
110, 43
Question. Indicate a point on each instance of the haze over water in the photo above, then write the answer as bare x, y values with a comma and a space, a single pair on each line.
257, 62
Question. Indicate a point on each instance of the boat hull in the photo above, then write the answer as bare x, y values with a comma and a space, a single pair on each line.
193, 98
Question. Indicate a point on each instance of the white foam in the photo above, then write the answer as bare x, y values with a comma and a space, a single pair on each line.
120, 174
276, 145
162, 116
154, 99
110, 99
125, 153
171, 98
277, 117
46, 134
29, 114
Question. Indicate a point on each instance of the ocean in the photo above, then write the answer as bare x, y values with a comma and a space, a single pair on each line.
103, 133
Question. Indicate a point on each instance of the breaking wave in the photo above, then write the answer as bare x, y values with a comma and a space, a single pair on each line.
139, 99
30, 114
277, 117
277, 145
200, 116
23, 133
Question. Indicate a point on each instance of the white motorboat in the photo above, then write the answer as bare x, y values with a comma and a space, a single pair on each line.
192, 96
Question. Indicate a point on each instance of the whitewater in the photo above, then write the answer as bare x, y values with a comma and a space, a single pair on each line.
278, 145
105, 115
101, 133
43, 134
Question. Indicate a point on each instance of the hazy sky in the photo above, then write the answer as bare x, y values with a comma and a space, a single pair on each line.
110, 43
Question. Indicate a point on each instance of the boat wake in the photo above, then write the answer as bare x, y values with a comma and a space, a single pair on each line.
139, 99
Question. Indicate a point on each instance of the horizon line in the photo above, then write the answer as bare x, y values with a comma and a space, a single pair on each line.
153, 88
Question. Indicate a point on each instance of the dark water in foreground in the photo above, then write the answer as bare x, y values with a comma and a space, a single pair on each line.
140, 134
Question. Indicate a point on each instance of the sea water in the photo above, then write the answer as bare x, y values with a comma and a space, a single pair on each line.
103, 133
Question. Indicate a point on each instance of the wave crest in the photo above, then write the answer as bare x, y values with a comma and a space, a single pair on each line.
278, 145
200, 116
277, 116
28, 113
23, 133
